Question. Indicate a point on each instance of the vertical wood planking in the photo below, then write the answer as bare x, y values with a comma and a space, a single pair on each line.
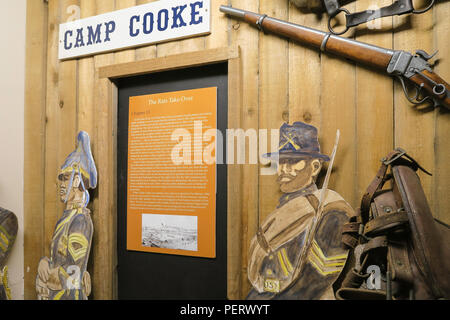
280, 81
234, 182
108, 120
146, 52
128, 54
104, 243
68, 99
104, 251
219, 27
338, 111
86, 81
86, 104
273, 99
52, 125
414, 127
374, 103
34, 148
235, 226
441, 176
180, 46
304, 73
247, 38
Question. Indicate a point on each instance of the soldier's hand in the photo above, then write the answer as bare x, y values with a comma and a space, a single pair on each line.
86, 282
41, 289
44, 269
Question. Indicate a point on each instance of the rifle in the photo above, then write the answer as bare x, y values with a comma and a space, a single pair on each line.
398, 63
311, 232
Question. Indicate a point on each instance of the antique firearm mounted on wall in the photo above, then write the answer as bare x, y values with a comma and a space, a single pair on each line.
401, 64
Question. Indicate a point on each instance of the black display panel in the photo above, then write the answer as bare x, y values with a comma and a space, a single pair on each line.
143, 275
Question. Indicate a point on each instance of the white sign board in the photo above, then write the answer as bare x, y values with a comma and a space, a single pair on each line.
148, 23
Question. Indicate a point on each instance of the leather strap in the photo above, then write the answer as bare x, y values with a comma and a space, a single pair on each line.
395, 156
351, 227
354, 279
368, 241
375, 243
398, 7
376, 184
262, 241
360, 294
398, 262
349, 240
384, 222
350, 231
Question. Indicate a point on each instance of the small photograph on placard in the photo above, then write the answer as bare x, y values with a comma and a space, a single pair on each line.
170, 231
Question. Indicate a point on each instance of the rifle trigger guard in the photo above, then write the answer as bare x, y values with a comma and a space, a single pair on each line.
415, 99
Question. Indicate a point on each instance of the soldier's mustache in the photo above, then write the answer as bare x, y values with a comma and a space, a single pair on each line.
285, 175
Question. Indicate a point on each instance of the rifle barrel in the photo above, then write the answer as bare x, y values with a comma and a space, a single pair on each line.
348, 48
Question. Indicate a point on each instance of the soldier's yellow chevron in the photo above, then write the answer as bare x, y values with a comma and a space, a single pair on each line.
59, 295
4, 280
4, 239
323, 264
78, 246
286, 265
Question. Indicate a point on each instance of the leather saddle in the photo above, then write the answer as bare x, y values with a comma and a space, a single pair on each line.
398, 250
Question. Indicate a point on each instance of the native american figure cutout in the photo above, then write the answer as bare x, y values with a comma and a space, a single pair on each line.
63, 275
8, 233
297, 251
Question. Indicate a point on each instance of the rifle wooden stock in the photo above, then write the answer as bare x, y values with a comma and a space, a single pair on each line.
357, 51
413, 68
419, 80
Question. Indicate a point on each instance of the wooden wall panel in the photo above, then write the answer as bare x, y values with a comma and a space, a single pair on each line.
34, 162
441, 174
146, 52
67, 110
338, 111
52, 119
86, 81
102, 288
235, 182
247, 38
374, 111
414, 127
273, 98
129, 54
305, 77
280, 81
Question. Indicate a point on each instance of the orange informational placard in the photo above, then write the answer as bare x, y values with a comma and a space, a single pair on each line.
171, 189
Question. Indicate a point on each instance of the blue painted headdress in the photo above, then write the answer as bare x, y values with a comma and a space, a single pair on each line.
82, 163
298, 140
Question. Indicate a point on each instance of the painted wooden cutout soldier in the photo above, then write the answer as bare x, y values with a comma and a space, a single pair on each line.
297, 251
63, 276
8, 233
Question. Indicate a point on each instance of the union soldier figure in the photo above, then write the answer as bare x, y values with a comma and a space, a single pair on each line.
63, 276
8, 233
297, 251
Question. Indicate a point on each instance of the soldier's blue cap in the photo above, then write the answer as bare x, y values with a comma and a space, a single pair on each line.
81, 160
298, 140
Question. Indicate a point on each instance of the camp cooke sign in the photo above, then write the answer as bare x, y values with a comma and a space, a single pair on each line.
149, 23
